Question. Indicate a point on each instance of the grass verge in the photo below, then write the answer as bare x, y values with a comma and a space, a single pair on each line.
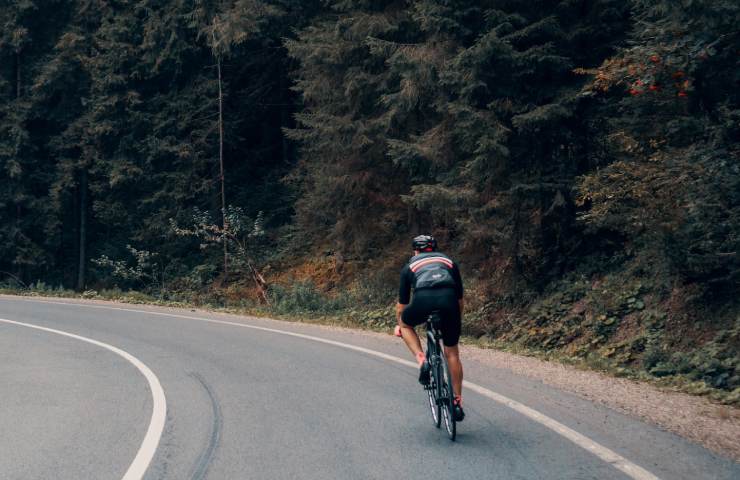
304, 303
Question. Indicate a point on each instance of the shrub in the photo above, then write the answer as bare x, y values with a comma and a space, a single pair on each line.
303, 297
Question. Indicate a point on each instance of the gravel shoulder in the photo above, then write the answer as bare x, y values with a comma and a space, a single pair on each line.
714, 426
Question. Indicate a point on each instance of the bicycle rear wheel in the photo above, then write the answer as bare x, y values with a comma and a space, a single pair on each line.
447, 399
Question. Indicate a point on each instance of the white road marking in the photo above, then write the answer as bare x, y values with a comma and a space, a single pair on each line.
159, 404
609, 456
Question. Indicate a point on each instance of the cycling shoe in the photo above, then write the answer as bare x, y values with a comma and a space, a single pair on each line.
458, 410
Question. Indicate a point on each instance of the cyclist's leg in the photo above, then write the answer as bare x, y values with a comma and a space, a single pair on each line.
413, 315
410, 318
456, 368
451, 325
456, 372
411, 339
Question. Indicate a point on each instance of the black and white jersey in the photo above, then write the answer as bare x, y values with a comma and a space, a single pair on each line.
429, 270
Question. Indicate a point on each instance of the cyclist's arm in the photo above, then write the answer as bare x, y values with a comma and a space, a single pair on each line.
458, 287
404, 292
399, 311
458, 281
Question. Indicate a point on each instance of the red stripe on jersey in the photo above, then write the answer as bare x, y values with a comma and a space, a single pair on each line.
440, 258
426, 261
444, 260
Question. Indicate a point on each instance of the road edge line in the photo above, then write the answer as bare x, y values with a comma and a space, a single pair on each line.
607, 455
148, 447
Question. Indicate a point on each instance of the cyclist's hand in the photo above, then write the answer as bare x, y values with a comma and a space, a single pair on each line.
397, 331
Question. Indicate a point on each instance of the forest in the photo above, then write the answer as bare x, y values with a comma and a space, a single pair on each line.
579, 158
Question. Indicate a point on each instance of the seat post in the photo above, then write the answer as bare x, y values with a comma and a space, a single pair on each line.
436, 321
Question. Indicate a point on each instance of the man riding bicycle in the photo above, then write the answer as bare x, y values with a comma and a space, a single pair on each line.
437, 285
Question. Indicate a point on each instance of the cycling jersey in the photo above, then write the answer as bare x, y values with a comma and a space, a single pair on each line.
437, 285
429, 270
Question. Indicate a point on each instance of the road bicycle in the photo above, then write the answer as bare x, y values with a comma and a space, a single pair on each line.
439, 390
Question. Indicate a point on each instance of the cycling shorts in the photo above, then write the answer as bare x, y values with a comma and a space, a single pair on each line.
445, 301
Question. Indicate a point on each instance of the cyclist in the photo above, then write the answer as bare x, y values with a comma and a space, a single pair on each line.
437, 285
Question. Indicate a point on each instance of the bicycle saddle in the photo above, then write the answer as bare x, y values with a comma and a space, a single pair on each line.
435, 319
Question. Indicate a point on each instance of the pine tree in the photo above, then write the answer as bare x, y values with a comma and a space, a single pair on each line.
348, 184
88, 67
24, 168
469, 111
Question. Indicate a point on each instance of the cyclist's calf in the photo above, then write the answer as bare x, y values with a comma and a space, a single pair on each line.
456, 369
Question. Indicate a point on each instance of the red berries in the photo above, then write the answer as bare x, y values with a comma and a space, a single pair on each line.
654, 78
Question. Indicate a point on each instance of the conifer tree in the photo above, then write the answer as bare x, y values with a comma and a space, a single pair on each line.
468, 111
90, 63
350, 185
24, 170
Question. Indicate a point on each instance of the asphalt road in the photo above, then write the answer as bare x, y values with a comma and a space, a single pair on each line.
244, 403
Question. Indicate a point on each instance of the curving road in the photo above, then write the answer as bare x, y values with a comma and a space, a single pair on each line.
245, 402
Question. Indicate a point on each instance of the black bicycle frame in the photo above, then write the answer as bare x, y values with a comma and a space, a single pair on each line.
434, 335
440, 385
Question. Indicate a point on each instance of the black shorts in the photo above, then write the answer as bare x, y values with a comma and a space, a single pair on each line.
425, 302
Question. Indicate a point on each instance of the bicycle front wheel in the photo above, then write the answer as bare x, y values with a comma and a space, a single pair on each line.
447, 398
432, 394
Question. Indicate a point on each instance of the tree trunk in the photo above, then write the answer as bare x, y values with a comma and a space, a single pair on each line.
284, 118
18, 216
221, 164
18, 75
17, 205
83, 231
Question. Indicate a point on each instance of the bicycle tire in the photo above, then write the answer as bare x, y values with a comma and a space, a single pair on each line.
447, 396
431, 389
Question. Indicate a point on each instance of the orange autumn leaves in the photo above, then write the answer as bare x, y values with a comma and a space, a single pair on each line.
651, 77
641, 73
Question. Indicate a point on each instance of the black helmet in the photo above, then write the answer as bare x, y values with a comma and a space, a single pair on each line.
424, 243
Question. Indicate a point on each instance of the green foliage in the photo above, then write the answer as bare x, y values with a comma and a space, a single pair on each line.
245, 237
419, 119
615, 324
670, 180
303, 297
716, 364
144, 271
109, 110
